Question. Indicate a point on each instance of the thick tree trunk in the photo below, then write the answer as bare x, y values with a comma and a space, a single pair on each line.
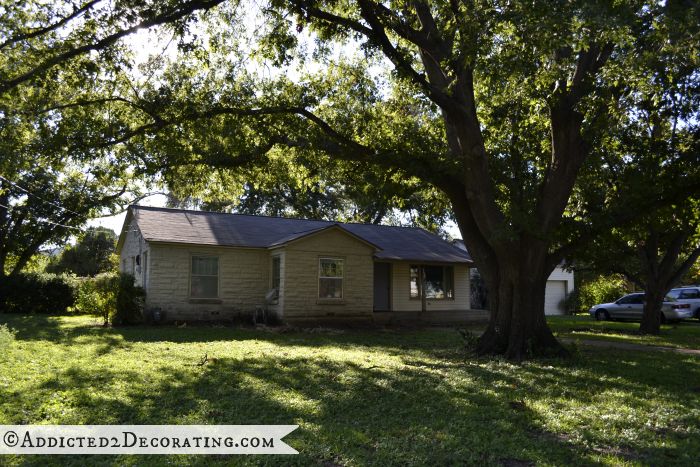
515, 277
661, 272
651, 316
517, 328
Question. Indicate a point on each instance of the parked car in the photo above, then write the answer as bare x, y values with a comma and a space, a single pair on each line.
631, 307
689, 294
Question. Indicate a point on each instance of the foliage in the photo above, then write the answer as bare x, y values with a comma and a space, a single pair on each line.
129, 301
97, 296
602, 289
7, 337
41, 40
51, 179
37, 293
92, 254
321, 189
692, 276
111, 296
408, 397
59, 166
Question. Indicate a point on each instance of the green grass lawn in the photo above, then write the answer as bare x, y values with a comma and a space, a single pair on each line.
360, 397
685, 334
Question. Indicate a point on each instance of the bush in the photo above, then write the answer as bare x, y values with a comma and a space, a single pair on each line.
37, 293
602, 289
97, 296
7, 337
130, 301
112, 297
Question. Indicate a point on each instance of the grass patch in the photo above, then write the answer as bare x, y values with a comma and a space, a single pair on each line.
360, 397
685, 334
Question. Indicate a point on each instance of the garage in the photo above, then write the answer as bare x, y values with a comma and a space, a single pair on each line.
554, 295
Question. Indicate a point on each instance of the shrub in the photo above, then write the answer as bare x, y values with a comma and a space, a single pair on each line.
112, 297
7, 337
97, 296
130, 301
37, 293
602, 289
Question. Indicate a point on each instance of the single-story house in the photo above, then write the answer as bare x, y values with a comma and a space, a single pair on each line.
197, 265
559, 285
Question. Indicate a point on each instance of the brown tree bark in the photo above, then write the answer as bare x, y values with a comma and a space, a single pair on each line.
662, 273
651, 316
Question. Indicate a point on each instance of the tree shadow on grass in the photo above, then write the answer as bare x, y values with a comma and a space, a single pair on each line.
348, 412
69, 331
431, 405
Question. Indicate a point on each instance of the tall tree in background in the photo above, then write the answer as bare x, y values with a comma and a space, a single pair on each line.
652, 154
92, 254
654, 253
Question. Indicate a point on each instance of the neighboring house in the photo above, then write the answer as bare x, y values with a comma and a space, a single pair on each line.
198, 265
559, 285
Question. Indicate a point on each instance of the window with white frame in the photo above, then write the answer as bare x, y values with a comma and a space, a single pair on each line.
204, 277
330, 278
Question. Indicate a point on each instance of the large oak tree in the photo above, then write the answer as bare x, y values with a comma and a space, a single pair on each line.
498, 104
504, 106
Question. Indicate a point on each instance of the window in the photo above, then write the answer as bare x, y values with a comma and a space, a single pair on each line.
438, 282
204, 280
634, 299
276, 275
330, 278
690, 293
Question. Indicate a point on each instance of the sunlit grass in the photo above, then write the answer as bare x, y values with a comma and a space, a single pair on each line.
685, 334
360, 397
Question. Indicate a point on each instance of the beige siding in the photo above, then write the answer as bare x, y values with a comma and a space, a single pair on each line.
400, 290
134, 245
301, 277
243, 281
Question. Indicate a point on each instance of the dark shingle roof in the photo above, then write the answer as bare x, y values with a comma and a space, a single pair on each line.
221, 229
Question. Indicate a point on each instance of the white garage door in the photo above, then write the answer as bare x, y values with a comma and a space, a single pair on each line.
554, 294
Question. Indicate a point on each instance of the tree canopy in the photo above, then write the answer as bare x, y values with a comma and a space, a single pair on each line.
92, 254
509, 109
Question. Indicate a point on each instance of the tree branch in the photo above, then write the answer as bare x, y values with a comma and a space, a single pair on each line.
111, 39
52, 27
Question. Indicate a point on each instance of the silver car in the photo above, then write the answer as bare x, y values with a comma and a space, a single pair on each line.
631, 307
689, 294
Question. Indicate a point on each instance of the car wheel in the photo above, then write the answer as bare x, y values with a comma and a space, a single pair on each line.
602, 315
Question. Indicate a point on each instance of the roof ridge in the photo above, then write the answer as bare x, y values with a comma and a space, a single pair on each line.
199, 211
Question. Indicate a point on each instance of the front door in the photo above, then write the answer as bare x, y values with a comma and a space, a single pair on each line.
382, 286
